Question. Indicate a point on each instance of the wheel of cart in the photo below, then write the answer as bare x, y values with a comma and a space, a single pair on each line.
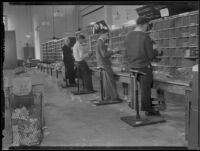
26, 112
137, 120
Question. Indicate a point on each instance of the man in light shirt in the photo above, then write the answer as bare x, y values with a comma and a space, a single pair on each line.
80, 55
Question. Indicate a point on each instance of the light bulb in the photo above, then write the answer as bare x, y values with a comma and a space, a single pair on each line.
28, 36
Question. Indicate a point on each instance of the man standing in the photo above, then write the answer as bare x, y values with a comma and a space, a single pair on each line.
103, 59
80, 55
68, 60
139, 54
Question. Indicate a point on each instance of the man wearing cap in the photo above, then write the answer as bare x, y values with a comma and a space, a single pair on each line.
80, 55
139, 54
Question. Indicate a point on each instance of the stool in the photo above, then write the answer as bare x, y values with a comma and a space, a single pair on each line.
79, 91
41, 67
137, 121
101, 101
47, 68
57, 73
51, 69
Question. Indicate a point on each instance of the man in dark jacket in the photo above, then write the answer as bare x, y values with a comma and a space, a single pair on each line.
68, 60
139, 54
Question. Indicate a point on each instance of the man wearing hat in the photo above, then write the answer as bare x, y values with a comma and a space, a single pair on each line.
139, 54
80, 55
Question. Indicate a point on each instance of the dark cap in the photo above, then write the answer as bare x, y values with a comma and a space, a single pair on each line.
81, 36
142, 20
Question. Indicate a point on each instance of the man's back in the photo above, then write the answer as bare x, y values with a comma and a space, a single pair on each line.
67, 53
138, 49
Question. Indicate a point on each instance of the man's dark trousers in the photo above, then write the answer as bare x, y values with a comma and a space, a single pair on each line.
146, 82
86, 75
69, 72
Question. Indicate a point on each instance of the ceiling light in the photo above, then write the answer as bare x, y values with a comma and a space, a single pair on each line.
58, 14
28, 36
92, 23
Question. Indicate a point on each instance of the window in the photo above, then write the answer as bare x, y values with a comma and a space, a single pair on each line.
5, 21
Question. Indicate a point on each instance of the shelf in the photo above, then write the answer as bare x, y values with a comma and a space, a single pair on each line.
191, 57
118, 37
176, 37
115, 43
158, 65
177, 47
158, 30
176, 16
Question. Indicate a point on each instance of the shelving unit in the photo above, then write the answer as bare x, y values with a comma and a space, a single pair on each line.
177, 36
52, 50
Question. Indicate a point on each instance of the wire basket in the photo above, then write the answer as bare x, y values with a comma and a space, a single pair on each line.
26, 118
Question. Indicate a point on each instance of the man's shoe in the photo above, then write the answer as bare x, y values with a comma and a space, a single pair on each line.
152, 113
72, 85
129, 104
120, 100
64, 86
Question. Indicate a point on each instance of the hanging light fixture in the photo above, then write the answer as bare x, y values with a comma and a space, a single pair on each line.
27, 33
66, 22
54, 37
45, 22
116, 16
58, 13
31, 26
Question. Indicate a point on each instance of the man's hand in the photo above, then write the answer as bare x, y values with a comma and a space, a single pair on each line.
160, 52
90, 54
124, 68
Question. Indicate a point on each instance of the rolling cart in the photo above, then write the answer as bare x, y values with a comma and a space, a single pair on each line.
102, 101
137, 120
26, 112
79, 91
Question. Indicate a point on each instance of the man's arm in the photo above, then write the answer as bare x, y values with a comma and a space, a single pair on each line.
82, 53
125, 51
149, 48
75, 52
103, 52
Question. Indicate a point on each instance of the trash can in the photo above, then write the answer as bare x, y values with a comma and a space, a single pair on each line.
26, 110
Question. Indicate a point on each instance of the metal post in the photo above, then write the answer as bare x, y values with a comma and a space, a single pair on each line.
56, 73
132, 91
78, 77
51, 71
101, 84
136, 97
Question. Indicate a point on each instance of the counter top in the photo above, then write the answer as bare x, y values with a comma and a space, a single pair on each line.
156, 76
